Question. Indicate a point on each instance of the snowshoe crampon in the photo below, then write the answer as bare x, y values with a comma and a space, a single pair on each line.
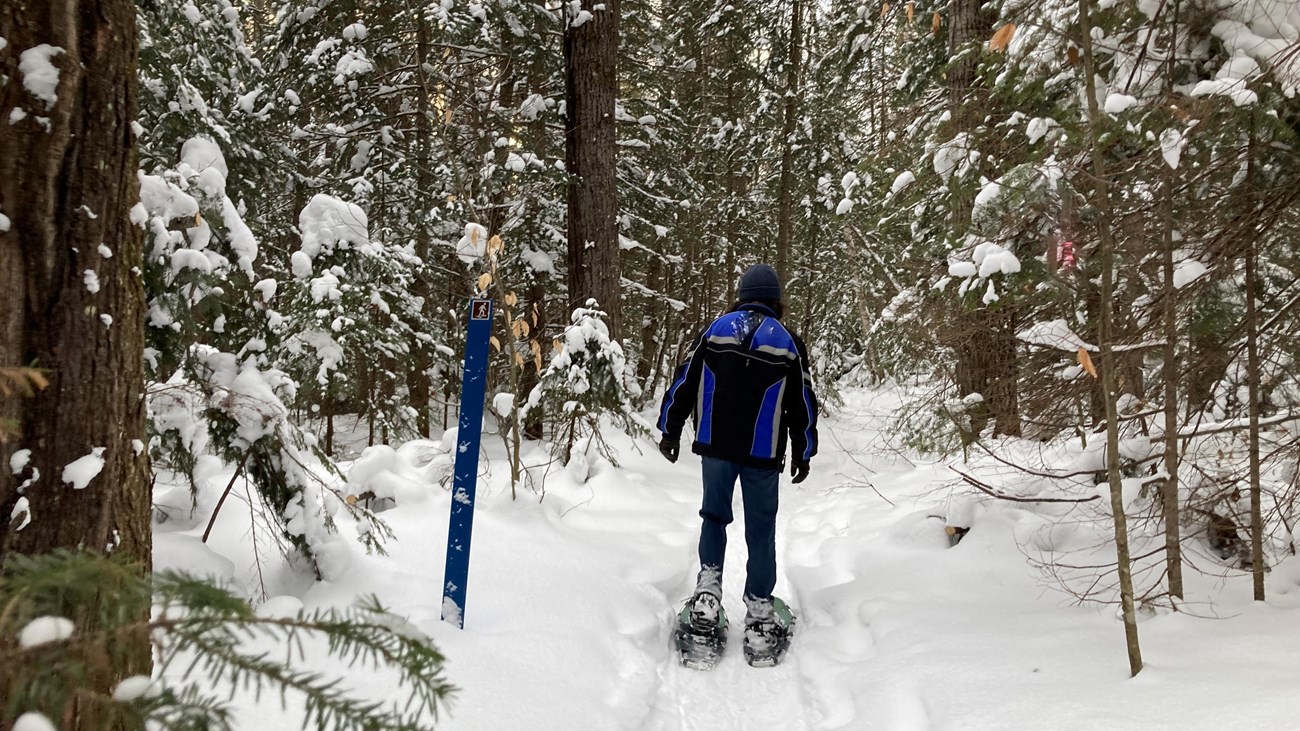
767, 637
701, 634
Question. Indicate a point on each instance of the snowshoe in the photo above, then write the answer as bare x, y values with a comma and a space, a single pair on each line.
701, 634
769, 625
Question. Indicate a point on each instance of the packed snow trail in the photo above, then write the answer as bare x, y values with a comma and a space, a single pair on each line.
572, 594
732, 695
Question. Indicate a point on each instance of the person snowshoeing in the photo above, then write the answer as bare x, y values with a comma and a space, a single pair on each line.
746, 382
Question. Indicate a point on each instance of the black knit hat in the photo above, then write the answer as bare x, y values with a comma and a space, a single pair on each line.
759, 283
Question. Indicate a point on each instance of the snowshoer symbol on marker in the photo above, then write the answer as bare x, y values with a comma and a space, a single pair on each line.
746, 382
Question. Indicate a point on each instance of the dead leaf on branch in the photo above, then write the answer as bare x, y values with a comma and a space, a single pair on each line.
26, 381
484, 281
1085, 360
1002, 38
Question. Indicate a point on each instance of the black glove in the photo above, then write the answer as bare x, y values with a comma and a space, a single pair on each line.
670, 448
799, 471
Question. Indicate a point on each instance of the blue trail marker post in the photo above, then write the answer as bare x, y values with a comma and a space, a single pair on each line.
473, 387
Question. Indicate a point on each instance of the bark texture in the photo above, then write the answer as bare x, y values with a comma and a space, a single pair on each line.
983, 338
419, 382
1171, 508
70, 257
590, 53
785, 193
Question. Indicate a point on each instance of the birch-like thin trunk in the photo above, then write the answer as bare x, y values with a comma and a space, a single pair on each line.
1169, 371
1124, 563
1252, 388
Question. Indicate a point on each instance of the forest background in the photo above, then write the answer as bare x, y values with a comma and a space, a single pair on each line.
1068, 223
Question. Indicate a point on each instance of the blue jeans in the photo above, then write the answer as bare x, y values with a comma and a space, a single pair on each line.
758, 489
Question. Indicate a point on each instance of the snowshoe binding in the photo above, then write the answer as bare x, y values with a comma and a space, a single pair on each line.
701, 632
769, 625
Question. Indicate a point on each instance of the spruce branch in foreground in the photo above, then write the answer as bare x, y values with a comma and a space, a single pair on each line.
64, 618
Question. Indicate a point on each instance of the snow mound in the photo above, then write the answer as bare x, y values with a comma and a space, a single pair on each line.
385, 476
1120, 103
328, 223
177, 552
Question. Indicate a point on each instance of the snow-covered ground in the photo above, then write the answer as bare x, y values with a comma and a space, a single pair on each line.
571, 599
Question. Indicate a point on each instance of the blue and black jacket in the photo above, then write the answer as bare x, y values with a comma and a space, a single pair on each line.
746, 382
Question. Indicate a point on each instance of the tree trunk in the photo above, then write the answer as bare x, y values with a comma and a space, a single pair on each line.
968, 29
67, 187
1101, 193
986, 364
785, 195
330, 401
985, 337
419, 384
590, 63
655, 312
500, 195
533, 425
1169, 372
1252, 381
1252, 389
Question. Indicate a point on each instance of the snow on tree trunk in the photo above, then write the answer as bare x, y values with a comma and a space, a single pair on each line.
71, 299
984, 338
